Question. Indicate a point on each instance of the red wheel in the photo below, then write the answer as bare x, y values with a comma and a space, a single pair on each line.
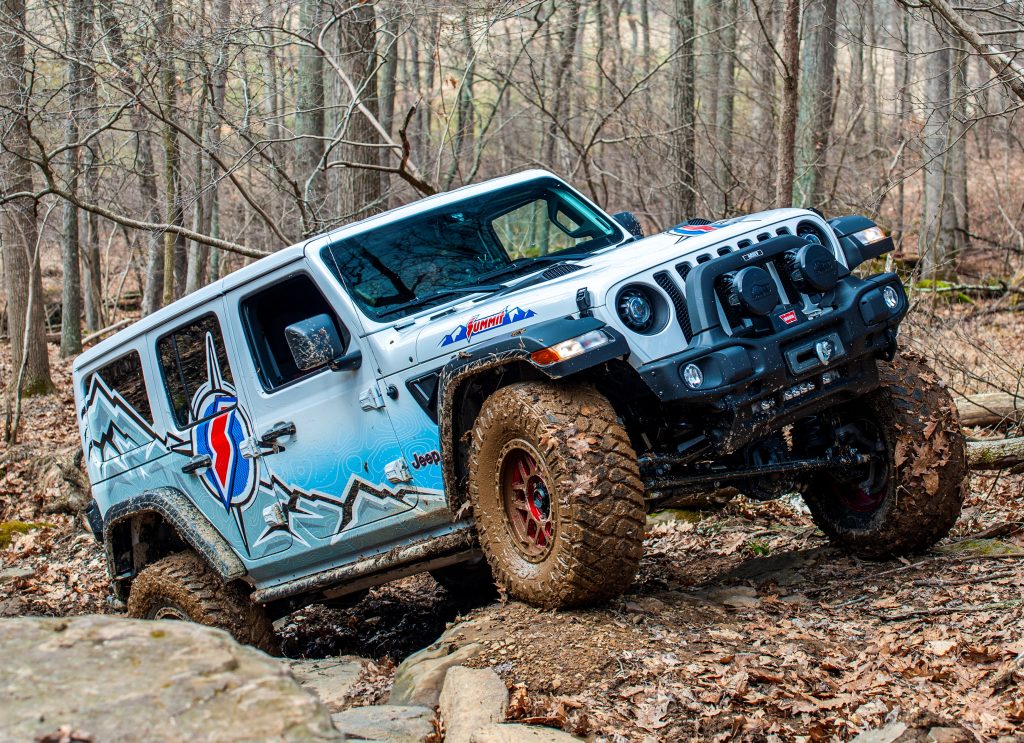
527, 500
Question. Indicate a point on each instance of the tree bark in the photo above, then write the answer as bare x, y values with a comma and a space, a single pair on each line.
18, 224
71, 290
995, 455
362, 189
684, 190
724, 123
815, 115
990, 409
784, 154
92, 269
309, 118
938, 208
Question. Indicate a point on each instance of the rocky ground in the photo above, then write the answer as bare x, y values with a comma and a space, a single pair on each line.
742, 624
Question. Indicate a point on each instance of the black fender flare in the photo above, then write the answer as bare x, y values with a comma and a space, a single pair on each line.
178, 510
512, 348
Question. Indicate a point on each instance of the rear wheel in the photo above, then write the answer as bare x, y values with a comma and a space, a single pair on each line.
909, 494
556, 494
182, 587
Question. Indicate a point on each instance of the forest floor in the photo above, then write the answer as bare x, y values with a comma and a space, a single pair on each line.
742, 624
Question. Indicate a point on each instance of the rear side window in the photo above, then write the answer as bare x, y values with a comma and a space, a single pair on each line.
124, 376
266, 315
183, 363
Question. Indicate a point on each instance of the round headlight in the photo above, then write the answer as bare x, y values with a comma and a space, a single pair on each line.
636, 309
693, 376
891, 297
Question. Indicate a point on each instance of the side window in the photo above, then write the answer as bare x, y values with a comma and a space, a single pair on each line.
267, 314
183, 363
124, 376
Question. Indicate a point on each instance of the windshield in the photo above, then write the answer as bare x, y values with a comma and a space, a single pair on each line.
423, 260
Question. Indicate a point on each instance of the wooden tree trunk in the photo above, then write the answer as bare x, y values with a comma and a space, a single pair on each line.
92, 269
18, 224
990, 409
684, 156
784, 154
724, 123
814, 123
309, 118
938, 207
362, 189
71, 291
464, 113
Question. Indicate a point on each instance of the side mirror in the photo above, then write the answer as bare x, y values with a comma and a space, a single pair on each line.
860, 238
629, 222
314, 342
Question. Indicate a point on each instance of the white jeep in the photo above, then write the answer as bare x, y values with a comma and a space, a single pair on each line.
498, 383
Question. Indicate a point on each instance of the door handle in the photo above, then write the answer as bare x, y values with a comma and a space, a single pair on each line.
196, 463
277, 431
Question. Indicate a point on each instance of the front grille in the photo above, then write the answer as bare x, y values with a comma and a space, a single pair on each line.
665, 281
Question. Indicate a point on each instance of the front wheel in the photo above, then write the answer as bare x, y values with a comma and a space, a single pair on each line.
909, 494
182, 587
556, 494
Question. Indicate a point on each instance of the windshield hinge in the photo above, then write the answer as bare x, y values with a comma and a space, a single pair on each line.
397, 471
370, 398
583, 301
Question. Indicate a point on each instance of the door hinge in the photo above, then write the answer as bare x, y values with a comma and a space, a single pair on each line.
397, 471
274, 515
371, 399
251, 448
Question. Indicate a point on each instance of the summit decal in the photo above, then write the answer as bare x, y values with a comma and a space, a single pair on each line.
485, 323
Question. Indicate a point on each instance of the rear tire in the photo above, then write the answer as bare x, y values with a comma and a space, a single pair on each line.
914, 497
556, 494
183, 587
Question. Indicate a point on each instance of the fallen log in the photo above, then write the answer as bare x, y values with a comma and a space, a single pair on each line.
997, 454
990, 409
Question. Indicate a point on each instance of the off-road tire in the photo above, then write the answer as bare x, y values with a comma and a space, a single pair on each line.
596, 496
466, 581
921, 427
183, 583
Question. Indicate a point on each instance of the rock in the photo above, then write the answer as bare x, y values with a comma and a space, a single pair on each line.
738, 597
386, 722
949, 735
418, 679
330, 679
122, 679
470, 699
13, 574
512, 733
886, 734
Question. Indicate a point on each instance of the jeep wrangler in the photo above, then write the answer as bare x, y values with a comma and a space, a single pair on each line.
495, 385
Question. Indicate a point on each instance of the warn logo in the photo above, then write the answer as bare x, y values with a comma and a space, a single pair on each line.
788, 317
478, 325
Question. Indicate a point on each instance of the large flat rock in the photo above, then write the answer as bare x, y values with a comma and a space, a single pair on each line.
128, 680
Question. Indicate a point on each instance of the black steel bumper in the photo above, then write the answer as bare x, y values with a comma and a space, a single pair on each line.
754, 385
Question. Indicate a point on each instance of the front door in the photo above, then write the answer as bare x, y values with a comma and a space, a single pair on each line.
323, 438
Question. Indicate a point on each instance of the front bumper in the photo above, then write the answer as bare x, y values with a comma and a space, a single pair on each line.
755, 385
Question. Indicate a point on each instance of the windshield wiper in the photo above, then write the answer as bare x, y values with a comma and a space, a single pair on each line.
445, 291
526, 263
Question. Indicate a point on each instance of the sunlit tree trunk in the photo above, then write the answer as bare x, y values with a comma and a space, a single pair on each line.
71, 290
786, 143
814, 123
18, 227
685, 187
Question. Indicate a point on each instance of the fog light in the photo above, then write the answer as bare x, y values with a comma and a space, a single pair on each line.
693, 376
891, 297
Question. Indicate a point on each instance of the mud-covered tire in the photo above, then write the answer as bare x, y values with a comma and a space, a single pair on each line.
182, 586
927, 464
592, 487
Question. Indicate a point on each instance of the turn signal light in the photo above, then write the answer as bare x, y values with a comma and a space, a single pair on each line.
570, 349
